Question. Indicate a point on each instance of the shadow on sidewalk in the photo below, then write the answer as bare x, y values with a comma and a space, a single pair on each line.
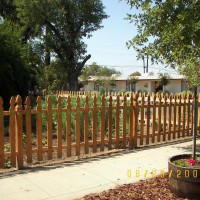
113, 154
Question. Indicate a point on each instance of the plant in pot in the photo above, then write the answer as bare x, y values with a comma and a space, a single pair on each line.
169, 33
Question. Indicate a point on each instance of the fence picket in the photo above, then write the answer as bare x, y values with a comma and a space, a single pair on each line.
78, 126
169, 117
2, 156
94, 124
183, 119
59, 127
86, 127
164, 116
142, 121
135, 119
68, 127
28, 130
19, 132
148, 114
174, 120
117, 123
131, 123
124, 123
153, 118
49, 128
159, 117
188, 114
39, 129
110, 123
102, 123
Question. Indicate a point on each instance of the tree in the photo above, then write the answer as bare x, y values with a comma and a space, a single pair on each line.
96, 70
164, 80
68, 22
14, 73
135, 74
169, 31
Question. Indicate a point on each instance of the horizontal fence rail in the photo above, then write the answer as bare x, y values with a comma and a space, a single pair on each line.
73, 125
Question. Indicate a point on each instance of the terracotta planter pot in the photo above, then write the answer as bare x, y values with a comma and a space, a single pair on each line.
184, 181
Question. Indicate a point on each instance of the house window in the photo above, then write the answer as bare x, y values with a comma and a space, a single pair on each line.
130, 87
96, 87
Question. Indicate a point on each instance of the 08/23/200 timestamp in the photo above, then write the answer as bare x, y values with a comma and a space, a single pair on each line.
153, 173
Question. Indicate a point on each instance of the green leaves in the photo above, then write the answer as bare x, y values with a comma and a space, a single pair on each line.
168, 31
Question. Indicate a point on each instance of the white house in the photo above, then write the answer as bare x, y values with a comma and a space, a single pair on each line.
146, 82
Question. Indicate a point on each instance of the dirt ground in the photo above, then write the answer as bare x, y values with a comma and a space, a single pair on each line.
151, 189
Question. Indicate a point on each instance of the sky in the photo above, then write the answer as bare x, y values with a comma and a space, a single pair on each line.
108, 47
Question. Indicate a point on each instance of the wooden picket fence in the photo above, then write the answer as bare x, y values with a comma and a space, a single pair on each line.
77, 126
63, 93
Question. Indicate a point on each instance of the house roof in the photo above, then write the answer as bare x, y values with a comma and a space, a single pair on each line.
143, 77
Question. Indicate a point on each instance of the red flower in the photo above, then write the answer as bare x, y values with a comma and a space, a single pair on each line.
191, 161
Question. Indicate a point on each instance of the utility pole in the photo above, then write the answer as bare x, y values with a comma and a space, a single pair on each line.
146, 67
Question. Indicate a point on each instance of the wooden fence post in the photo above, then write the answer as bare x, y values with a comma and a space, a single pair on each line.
28, 130
12, 132
199, 112
179, 115
183, 119
59, 127
19, 132
1, 134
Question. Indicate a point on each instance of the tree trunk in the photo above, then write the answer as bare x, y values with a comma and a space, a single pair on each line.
72, 82
47, 50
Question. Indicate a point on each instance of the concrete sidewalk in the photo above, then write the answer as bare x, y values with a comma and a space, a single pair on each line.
74, 180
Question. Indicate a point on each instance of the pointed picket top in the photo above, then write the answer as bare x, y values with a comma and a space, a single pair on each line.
110, 100
68, 102
124, 100
103, 101
78, 101
166, 97
28, 102
148, 97
18, 102
143, 96
38, 100
131, 100
12, 103
86, 101
135, 96
49, 103
59, 100
95, 101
